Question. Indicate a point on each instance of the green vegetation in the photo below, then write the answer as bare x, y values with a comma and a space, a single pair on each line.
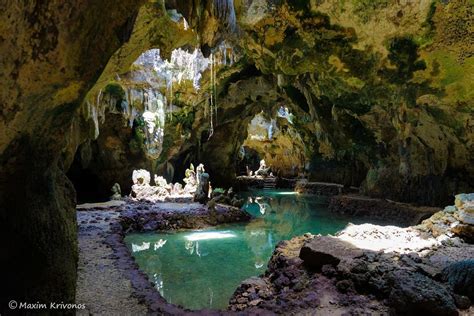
365, 9
403, 53
429, 27
167, 144
115, 90
429, 23
218, 191
138, 139
184, 118
452, 75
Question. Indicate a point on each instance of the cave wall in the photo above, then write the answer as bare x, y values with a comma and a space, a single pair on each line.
389, 110
109, 159
52, 53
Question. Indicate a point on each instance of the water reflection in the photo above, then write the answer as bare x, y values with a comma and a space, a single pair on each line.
209, 235
192, 247
160, 243
143, 246
146, 245
201, 269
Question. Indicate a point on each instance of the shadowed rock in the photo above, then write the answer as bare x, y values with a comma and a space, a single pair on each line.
460, 276
416, 294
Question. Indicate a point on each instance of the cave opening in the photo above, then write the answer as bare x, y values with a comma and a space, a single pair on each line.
87, 183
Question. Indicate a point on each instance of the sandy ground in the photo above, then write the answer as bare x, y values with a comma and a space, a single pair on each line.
100, 286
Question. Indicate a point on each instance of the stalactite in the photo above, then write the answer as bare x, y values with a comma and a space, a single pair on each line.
225, 11
154, 119
211, 96
231, 56
214, 90
170, 107
185, 24
223, 53
95, 119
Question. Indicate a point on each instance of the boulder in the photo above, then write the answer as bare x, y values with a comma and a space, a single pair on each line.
465, 231
460, 277
464, 199
323, 250
415, 294
465, 204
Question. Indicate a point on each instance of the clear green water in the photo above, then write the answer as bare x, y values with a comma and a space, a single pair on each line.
202, 268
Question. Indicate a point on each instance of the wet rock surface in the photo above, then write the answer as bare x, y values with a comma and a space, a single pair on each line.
289, 288
172, 216
364, 269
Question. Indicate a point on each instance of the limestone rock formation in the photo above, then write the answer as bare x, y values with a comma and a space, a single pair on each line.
197, 187
190, 180
413, 292
141, 189
389, 109
141, 177
202, 185
52, 53
377, 111
228, 197
454, 220
465, 204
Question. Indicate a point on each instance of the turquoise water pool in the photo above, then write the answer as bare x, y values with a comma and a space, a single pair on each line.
202, 268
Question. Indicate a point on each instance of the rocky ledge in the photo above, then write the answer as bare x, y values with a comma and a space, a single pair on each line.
323, 188
149, 216
457, 219
369, 269
106, 265
386, 211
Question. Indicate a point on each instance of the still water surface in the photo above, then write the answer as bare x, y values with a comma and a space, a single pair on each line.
202, 268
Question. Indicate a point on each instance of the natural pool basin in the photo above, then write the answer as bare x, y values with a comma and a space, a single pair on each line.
202, 268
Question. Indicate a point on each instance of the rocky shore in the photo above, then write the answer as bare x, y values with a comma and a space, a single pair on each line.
386, 211
368, 269
365, 269
109, 280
